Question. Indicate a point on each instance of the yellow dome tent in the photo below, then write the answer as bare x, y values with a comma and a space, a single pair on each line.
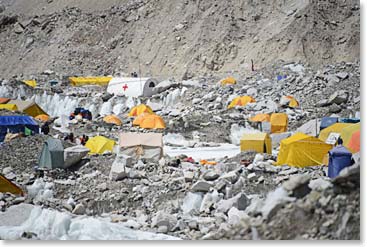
301, 150
152, 121
42, 118
241, 101
292, 102
10, 107
228, 81
112, 119
99, 145
28, 107
279, 122
261, 117
137, 110
335, 128
258, 142
31, 83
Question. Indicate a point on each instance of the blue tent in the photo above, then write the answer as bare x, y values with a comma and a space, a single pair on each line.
327, 121
16, 124
339, 158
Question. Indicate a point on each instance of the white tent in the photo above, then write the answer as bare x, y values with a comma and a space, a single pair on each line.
132, 87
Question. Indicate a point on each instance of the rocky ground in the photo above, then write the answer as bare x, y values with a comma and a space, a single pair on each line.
242, 197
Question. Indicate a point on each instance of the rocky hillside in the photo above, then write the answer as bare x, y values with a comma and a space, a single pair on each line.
173, 38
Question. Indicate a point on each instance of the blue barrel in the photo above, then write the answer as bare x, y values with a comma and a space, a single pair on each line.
339, 158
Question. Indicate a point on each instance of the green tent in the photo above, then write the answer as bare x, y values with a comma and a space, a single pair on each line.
52, 155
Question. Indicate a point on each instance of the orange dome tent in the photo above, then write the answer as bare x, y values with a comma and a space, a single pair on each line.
42, 117
292, 102
228, 81
241, 101
152, 121
261, 117
138, 119
112, 119
137, 110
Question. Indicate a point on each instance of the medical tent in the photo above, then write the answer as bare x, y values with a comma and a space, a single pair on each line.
132, 87
142, 145
279, 122
301, 150
52, 154
16, 124
258, 142
28, 107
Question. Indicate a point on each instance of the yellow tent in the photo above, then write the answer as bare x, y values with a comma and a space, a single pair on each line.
292, 102
82, 81
261, 117
301, 150
137, 110
10, 107
152, 121
335, 128
279, 122
112, 119
28, 107
31, 83
8, 186
99, 145
241, 101
259, 142
42, 118
228, 81
347, 133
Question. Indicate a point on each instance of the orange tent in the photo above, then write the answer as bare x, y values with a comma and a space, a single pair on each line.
42, 117
293, 102
112, 119
229, 80
4, 100
355, 142
152, 121
137, 110
138, 119
261, 117
241, 101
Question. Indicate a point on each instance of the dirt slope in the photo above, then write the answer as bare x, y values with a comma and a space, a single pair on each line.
173, 38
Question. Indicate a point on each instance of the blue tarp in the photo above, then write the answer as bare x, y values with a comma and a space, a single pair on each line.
327, 121
16, 124
349, 120
339, 158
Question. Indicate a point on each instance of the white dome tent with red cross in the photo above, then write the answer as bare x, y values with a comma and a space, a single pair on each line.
132, 87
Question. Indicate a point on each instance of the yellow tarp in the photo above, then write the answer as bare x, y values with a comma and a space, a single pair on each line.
137, 110
10, 107
81, 81
279, 122
152, 121
8, 186
228, 81
262, 117
112, 119
258, 142
301, 150
241, 101
335, 128
99, 145
31, 83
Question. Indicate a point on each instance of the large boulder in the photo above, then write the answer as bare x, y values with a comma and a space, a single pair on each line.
240, 201
339, 97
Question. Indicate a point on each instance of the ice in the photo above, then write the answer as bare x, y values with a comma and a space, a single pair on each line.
40, 190
275, 198
117, 109
172, 98
174, 139
106, 109
192, 202
53, 225
238, 131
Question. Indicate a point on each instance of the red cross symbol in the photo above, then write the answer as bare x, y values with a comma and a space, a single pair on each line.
125, 87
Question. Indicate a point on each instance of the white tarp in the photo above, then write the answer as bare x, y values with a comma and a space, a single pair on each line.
132, 87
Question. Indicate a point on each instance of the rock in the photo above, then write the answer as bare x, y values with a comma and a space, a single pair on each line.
334, 108
189, 176
339, 97
240, 201
252, 91
255, 206
162, 229
19, 200
211, 175
7, 170
29, 41
258, 158
193, 225
235, 216
320, 184
274, 201
323, 103
297, 185
276, 138
67, 207
252, 177
102, 187
192, 203
231, 176
342, 75
208, 201
119, 169
288, 171
79, 209
162, 218
18, 29
201, 186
